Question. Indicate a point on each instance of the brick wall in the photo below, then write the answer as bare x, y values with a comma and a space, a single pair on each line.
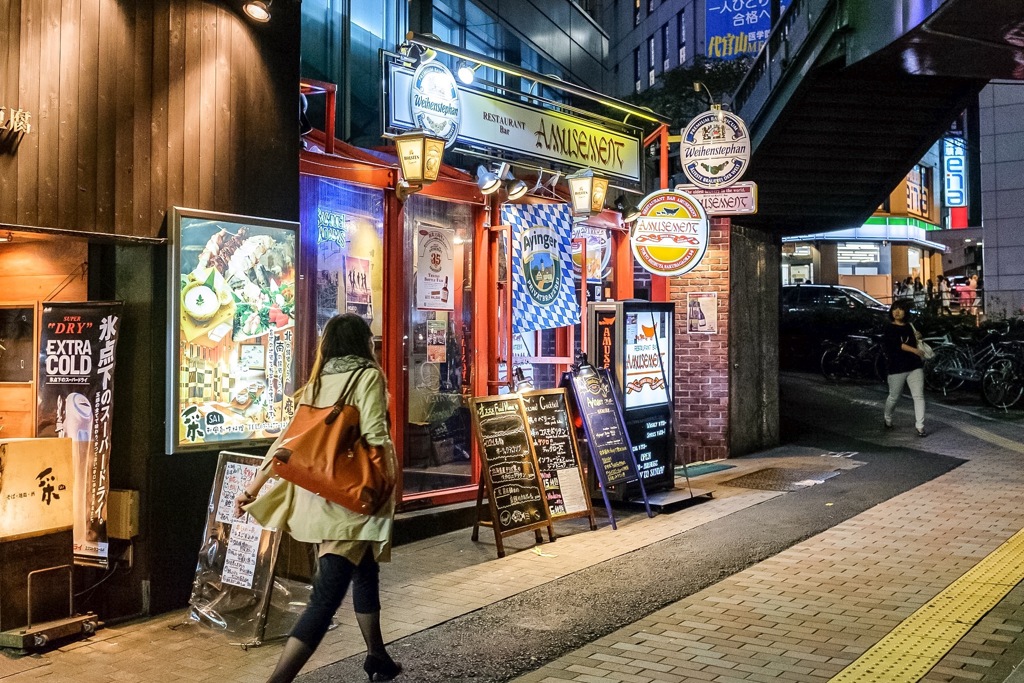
701, 360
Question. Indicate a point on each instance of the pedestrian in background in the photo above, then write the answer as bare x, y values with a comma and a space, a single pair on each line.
919, 295
906, 364
972, 294
350, 545
945, 296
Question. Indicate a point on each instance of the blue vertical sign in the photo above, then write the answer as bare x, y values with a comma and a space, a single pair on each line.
954, 170
733, 28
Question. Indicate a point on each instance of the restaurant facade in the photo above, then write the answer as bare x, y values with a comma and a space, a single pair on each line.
183, 206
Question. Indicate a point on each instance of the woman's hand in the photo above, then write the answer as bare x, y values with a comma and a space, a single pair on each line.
242, 499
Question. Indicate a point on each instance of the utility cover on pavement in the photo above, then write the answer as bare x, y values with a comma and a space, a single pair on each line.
780, 479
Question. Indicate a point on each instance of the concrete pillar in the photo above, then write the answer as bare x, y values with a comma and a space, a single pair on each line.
829, 272
900, 263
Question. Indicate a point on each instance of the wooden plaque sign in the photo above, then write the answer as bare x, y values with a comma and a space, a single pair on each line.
554, 442
514, 489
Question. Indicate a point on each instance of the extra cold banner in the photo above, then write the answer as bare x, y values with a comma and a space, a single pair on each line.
75, 400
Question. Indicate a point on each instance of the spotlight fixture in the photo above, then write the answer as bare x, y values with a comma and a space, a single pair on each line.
258, 10
487, 180
466, 72
627, 208
514, 188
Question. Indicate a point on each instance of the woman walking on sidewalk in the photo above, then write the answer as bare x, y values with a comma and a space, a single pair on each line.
350, 544
906, 364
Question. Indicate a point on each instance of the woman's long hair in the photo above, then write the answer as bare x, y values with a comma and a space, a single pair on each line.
344, 335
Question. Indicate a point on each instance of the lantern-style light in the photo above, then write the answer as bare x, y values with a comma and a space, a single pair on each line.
419, 156
581, 191
598, 193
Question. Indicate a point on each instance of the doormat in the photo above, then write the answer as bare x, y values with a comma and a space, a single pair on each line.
700, 468
780, 479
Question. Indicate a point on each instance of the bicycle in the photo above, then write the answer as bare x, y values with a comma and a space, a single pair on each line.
957, 362
859, 356
1002, 386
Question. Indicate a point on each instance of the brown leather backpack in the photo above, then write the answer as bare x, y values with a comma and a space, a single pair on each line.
323, 451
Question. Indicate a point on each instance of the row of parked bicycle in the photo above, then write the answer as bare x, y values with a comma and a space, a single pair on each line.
990, 359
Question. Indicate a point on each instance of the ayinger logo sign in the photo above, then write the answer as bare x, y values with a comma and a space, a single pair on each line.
541, 263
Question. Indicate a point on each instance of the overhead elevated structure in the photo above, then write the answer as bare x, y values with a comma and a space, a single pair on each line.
848, 95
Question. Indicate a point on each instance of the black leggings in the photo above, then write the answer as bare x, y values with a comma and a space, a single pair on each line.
333, 575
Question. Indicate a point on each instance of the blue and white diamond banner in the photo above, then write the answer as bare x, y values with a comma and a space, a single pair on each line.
543, 293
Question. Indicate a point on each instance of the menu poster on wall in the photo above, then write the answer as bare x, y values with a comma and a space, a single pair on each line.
75, 399
435, 268
702, 312
437, 340
233, 306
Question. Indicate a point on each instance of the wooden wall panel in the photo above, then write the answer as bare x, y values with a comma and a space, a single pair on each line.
33, 270
139, 106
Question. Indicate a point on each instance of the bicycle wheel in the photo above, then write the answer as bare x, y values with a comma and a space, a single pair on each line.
881, 365
832, 363
942, 372
1002, 386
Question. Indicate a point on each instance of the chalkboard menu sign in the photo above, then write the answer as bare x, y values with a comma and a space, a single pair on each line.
602, 418
513, 483
554, 442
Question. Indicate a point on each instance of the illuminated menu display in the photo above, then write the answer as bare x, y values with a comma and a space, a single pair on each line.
647, 359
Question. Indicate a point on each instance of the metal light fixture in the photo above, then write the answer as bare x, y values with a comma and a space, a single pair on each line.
487, 180
717, 108
514, 188
258, 10
9, 237
419, 156
628, 209
466, 72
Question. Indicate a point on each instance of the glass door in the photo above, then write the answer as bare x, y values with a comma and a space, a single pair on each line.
438, 442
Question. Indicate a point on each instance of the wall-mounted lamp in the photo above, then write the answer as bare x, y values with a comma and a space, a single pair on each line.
258, 10
466, 71
419, 156
587, 192
628, 209
487, 180
9, 237
717, 108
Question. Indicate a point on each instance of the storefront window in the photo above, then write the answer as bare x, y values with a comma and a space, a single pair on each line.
440, 292
347, 222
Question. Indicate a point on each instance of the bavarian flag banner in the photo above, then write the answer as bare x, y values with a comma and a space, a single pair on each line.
543, 293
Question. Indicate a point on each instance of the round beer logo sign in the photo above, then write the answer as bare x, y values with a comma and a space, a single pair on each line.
435, 101
542, 264
715, 153
671, 234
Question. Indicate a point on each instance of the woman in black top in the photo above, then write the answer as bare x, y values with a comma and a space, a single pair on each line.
906, 363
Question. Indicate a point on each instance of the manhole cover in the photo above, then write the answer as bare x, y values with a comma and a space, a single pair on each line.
780, 479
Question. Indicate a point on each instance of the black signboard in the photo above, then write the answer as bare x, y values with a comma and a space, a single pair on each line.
554, 443
605, 429
602, 419
512, 481
650, 432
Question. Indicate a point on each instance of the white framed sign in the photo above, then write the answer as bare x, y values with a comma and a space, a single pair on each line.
671, 235
738, 199
714, 149
702, 312
435, 268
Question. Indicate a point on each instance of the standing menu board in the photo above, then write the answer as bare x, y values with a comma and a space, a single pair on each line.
605, 429
602, 420
554, 442
514, 489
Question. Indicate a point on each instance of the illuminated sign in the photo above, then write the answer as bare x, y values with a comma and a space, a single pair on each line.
714, 149
734, 28
35, 489
671, 234
919, 195
954, 169
482, 119
434, 99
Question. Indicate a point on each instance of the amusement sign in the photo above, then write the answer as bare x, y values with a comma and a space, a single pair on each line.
715, 149
671, 234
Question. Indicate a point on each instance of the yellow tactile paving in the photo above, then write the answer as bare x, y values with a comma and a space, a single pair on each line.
917, 644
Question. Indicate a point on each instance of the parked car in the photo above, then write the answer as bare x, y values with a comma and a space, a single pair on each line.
812, 314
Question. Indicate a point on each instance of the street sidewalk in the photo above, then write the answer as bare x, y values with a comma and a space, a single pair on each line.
801, 615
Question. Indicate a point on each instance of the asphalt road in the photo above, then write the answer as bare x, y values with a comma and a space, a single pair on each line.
514, 636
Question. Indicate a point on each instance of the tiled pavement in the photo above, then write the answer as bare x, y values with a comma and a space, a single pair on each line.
801, 615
